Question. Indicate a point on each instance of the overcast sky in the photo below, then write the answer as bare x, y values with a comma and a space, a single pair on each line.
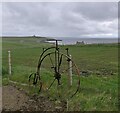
60, 19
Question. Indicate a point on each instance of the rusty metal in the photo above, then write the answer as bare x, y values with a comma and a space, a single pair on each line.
58, 56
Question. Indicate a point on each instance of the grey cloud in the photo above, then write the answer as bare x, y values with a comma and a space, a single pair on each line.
59, 19
98, 11
24, 13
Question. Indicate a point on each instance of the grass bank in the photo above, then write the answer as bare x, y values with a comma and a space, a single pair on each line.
99, 90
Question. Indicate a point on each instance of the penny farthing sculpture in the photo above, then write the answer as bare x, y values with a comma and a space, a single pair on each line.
57, 74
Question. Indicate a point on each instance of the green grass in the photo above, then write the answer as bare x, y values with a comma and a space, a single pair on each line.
98, 92
0, 61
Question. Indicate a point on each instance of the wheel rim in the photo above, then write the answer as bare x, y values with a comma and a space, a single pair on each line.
50, 82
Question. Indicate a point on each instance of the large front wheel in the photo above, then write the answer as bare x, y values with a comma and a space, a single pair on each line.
61, 78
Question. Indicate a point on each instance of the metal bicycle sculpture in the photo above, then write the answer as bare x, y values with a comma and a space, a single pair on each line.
52, 72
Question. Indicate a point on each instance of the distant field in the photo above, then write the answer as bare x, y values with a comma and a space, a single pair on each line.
99, 90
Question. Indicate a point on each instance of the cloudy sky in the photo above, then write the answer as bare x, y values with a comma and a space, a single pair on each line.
60, 19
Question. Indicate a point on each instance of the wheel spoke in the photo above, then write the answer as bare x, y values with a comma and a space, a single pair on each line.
51, 61
60, 62
51, 84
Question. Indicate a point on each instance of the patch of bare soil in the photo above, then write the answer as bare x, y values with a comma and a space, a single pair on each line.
14, 99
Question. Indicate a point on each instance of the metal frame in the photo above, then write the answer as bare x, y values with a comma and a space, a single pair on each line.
58, 60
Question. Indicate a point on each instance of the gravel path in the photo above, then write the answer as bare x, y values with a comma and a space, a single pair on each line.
14, 99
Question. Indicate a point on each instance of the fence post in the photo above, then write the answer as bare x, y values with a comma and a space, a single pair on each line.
9, 62
70, 71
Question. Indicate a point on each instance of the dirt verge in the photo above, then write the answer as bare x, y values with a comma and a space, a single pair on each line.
14, 99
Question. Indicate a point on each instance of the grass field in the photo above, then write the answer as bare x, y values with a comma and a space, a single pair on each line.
99, 90
0, 61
